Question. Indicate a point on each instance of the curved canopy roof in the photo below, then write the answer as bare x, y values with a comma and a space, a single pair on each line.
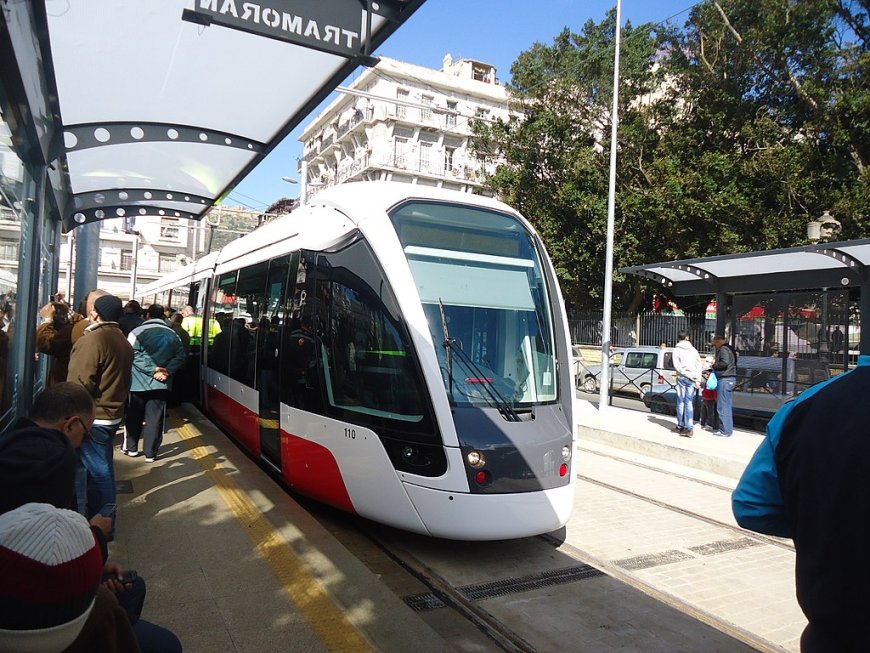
166, 105
826, 265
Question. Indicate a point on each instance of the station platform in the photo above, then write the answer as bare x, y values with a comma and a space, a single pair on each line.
645, 434
234, 564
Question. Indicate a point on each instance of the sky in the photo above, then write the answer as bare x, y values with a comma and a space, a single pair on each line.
494, 31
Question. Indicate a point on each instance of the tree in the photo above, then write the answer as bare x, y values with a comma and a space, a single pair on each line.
734, 132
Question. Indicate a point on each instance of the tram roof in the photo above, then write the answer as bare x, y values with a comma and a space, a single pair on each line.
355, 200
165, 106
825, 265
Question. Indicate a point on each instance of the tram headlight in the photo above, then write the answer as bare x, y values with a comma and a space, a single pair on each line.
566, 453
476, 459
409, 454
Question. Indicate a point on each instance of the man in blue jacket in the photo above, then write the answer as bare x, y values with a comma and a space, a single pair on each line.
809, 480
158, 354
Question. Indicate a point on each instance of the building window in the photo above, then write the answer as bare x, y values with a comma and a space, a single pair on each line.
9, 252
126, 259
426, 112
450, 118
449, 158
425, 151
167, 263
400, 152
169, 229
401, 109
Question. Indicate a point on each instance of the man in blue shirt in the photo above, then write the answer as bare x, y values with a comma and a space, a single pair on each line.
810, 480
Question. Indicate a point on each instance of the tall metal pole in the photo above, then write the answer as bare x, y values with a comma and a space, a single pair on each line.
604, 397
135, 271
87, 260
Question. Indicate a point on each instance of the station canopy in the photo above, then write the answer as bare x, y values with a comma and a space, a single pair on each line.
167, 104
825, 265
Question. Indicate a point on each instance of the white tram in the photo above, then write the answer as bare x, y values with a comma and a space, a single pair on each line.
396, 351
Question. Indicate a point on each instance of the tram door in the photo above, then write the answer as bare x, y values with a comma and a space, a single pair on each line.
268, 357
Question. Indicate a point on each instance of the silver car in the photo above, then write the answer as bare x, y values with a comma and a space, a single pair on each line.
633, 370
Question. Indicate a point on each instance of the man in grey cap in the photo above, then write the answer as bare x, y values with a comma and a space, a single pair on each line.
102, 361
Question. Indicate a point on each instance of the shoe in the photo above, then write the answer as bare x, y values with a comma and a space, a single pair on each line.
677, 429
719, 434
686, 433
132, 454
149, 460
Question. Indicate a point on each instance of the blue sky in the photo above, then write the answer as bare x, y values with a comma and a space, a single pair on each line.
495, 31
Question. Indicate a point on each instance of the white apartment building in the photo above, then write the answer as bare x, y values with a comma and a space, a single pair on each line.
403, 122
148, 249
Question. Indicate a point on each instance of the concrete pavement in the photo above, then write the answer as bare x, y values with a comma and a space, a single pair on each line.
650, 435
675, 537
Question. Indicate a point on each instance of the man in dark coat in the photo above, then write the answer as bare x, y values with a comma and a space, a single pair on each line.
101, 361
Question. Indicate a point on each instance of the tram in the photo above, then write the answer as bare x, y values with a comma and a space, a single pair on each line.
395, 351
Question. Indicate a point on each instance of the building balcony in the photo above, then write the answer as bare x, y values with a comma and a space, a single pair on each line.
433, 169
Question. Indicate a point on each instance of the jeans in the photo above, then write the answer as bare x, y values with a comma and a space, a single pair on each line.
724, 402
685, 403
81, 489
151, 637
709, 414
96, 455
155, 639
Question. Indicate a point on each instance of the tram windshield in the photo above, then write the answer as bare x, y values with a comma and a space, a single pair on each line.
479, 271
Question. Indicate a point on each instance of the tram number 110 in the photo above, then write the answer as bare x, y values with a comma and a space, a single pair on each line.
350, 433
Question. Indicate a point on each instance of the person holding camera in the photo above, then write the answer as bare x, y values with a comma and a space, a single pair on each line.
54, 337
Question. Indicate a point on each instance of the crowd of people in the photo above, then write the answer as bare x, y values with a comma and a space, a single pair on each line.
112, 364
715, 378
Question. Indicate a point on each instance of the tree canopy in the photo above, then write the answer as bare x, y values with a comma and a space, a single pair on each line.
735, 130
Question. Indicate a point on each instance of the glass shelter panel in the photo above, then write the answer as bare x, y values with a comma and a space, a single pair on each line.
13, 182
788, 342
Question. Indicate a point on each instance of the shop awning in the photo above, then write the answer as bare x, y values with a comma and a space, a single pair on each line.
165, 105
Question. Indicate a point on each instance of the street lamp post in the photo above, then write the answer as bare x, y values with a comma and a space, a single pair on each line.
135, 265
604, 396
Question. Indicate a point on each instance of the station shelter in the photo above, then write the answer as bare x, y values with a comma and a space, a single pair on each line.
793, 315
122, 108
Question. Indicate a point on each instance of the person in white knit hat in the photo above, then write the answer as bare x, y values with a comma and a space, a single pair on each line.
50, 568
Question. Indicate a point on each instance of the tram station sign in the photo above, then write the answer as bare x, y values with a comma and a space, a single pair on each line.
337, 26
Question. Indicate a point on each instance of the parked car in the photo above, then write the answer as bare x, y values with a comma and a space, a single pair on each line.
578, 364
634, 370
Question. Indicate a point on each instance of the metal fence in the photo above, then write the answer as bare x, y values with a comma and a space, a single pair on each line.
641, 329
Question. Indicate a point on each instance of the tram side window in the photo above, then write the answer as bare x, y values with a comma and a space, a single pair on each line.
245, 315
223, 298
367, 366
300, 386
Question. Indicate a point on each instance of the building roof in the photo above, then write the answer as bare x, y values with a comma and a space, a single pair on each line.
402, 72
165, 106
825, 265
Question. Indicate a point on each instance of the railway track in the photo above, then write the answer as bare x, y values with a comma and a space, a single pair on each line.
561, 591
439, 568
759, 537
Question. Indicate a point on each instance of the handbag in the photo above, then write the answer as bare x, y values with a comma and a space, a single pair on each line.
712, 381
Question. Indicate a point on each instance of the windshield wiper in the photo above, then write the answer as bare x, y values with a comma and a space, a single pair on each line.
448, 348
488, 384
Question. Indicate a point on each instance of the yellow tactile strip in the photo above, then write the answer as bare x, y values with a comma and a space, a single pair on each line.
305, 591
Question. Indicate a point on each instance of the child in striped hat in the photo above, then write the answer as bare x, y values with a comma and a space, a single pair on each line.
50, 568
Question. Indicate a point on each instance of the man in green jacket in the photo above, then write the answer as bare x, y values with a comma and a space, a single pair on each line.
158, 354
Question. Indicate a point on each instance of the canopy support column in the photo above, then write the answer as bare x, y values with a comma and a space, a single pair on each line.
864, 346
